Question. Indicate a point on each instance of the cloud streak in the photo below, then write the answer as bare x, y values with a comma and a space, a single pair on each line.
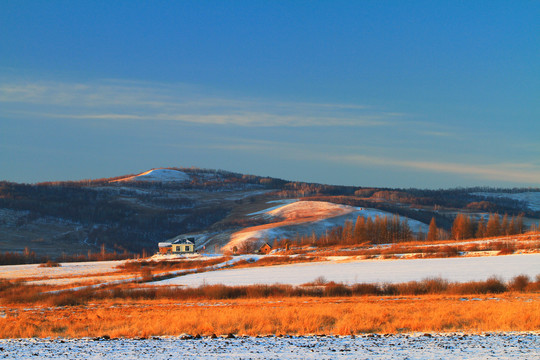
522, 172
525, 173
119, 100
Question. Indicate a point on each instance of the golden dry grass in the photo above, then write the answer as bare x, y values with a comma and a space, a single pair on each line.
300, 316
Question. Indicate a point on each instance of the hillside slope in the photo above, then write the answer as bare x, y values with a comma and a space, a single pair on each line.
303, 218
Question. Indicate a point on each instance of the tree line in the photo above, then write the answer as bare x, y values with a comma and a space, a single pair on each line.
392, 229
467, 227
377, 230
30, 257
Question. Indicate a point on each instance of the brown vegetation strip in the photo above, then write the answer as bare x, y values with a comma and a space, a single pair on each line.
13, 292
300, 316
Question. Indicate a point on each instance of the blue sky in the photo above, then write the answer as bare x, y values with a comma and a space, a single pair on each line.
368, 93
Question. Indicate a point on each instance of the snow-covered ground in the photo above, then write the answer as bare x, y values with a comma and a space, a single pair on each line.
65, 270
280, 202
501, 346
532, 199
100, 272
371, 271
302, 210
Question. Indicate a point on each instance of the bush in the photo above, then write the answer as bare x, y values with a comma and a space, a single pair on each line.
366, 289
319, 281
506, 251
410, 288
495, 285
333, 289
492, 285
435, 285
50, 263
448, 251
223, 292
519, 283
146, 274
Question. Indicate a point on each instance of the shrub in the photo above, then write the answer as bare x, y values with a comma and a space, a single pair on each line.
448, 251
506, 251
333, 289
319, 281
389, 289
146, 274
50, 263
491, 285
495, 285
435, 285
410, 288
519, 283
366, 289
223, 292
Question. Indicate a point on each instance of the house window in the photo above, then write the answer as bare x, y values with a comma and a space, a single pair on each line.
187, 248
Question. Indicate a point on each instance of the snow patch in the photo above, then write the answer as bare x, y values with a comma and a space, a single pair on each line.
160, 175
531, 198
308, 209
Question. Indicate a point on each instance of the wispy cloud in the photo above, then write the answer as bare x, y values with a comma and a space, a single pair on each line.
528, 173
125, 100
443, 134
510, 172
241, 119
525, 173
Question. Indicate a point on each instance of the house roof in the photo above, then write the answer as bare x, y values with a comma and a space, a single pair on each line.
164, 244
186, 240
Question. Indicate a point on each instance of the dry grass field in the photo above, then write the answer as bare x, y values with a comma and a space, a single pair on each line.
294, 316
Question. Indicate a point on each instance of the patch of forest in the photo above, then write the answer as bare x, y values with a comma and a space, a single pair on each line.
118, 224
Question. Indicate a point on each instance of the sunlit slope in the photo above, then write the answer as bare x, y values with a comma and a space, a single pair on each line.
302, 218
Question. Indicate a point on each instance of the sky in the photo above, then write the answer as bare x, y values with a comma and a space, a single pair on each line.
425, 94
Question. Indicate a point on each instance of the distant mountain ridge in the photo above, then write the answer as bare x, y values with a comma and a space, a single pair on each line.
135, 212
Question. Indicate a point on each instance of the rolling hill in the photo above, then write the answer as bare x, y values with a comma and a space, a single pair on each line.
132, 213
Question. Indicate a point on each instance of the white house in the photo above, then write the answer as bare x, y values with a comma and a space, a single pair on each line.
178, 245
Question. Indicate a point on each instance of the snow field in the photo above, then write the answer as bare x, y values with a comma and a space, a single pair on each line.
65, 270
459, 269
502, 346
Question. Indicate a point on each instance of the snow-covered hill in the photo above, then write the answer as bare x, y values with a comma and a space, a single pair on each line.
160, 175
304, 218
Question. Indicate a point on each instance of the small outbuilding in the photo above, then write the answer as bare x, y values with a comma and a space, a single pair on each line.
265, 249
165, 247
